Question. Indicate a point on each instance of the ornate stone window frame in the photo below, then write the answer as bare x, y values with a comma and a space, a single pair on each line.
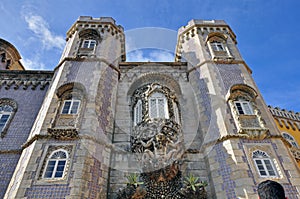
55, 161
264, 164
48, 151
13, 109
250, 125
249, 148
70, 91
144, 94
217, 45
93, 38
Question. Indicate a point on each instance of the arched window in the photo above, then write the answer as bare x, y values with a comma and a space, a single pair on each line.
243, 107
5, 114
290, 139
217, 44
264, 164
89, 40
137, 112
71, 101
158, 107
7, 110
56, 165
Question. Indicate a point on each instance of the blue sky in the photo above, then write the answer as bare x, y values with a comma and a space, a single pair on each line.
268, 33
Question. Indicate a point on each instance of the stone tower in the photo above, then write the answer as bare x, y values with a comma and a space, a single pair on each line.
68, 149
105, 121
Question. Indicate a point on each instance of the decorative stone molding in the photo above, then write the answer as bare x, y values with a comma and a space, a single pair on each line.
252, 126
296, 153
25, 79
157, 144
63, 134
68, 149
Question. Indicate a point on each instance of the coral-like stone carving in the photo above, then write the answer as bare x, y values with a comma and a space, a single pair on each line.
63, 134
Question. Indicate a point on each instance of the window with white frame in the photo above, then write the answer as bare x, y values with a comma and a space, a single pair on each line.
158, 107
70, 106
137, 111
264, 164
56, 165
243, 107
5, 115
217, 46
89, 43
290, 139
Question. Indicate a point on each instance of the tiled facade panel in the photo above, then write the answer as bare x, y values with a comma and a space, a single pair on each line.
105, 99
29, 102
230, 74
202, 94
224, 171
45, 191
8, 164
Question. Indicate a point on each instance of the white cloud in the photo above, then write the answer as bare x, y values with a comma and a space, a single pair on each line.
153, 56
41, 28
34, 64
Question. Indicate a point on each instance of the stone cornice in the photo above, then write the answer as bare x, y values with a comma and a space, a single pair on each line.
13, 151
231, 137
25, 79
220, 62
89, 59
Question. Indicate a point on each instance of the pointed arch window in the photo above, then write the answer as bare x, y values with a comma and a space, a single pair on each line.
158, 107
264, 164
290, 139
56, 165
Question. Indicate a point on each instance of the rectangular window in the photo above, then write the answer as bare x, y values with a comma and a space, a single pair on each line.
3, 120
89, 43
265, 168
138, 112
70, 107
50, 169
243, 108
217, 46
